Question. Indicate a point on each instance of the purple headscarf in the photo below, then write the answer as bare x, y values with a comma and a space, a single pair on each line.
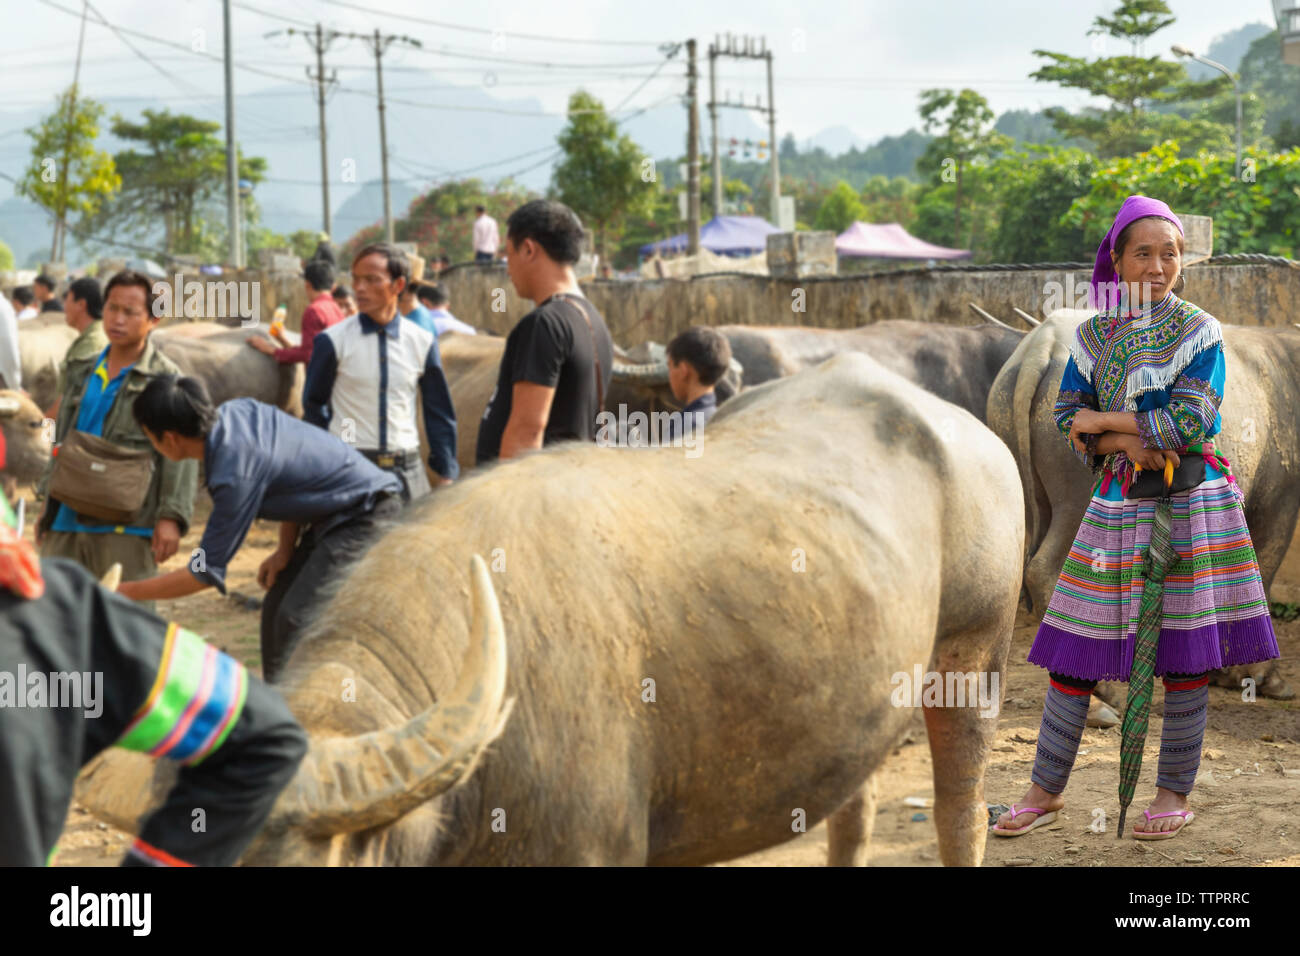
1103, 273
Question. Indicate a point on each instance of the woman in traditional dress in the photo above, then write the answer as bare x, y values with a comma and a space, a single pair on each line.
1143, 385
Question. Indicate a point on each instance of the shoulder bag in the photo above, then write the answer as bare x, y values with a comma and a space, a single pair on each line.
99, 479
1151, 484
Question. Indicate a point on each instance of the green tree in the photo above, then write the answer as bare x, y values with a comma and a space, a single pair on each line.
890, 200
840, 209
440, 222
966, 139
6, 256
1036, 187
1132, 84
1277, 86
67, 175
303, 242
603, 176
1259, 216
177, 178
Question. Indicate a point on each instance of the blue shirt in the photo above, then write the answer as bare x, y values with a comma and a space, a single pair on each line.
262, 463
95, 405
694, 416
421, 317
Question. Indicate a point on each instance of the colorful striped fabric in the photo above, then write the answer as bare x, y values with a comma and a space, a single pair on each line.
1065, 712
196, 699
150, 855
1126, 355
1182, 733
1215, 610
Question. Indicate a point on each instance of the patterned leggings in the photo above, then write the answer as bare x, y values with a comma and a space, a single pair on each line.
1182, 732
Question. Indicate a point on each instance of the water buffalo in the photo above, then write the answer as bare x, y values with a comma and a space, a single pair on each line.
41, 350
957, 363
1261, 437
694, 674
219, 356
27, 441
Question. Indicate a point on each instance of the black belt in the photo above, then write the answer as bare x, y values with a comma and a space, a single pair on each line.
391, 459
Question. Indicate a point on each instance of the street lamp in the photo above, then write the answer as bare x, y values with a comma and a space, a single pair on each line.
1180, 50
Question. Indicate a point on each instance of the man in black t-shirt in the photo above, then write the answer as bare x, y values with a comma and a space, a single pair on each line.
559, 357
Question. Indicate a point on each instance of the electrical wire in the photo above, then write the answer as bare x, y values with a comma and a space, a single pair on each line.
200, 53
274, 16
484, 31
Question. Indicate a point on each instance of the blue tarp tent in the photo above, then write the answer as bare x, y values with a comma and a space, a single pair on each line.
724, 235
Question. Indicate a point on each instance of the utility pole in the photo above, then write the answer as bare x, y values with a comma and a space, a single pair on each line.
775, 218
322, 41
714, 52
319, 40
236, 252
692, 154
378, 44
60, 227
745, 48
383, 134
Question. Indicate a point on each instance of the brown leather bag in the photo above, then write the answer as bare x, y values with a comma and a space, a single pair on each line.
99, 479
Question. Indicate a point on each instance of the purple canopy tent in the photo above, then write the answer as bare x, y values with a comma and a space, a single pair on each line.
889, 240
724, 235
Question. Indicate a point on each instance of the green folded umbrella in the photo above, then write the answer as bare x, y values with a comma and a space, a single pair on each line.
1160, 555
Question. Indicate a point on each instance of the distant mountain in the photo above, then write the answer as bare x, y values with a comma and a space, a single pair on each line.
836, 140
365, 207
25, 227
1228, 49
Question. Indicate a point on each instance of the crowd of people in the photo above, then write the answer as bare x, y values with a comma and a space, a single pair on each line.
130, 432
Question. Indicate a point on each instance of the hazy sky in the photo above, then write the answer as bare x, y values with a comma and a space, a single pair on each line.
856, 63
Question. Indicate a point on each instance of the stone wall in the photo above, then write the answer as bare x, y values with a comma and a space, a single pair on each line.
657, 309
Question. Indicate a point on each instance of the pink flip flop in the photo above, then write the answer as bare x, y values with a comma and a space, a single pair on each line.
1187, 815
1044, 817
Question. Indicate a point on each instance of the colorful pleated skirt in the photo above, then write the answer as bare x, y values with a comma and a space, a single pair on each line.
1215, 609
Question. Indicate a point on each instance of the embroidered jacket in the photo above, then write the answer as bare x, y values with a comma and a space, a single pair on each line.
1165, 364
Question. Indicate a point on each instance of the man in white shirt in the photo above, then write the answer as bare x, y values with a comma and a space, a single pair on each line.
370, 373
10, 368
486, 238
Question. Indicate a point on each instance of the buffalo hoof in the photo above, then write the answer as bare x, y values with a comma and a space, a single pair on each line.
1100, 713
1268, 682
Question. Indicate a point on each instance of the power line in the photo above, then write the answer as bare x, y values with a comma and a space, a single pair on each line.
274, 16
200, 53
669, 53
138, 52
545, 64
483, 31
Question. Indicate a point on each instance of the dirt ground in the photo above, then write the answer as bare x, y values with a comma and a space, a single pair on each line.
1248, 786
